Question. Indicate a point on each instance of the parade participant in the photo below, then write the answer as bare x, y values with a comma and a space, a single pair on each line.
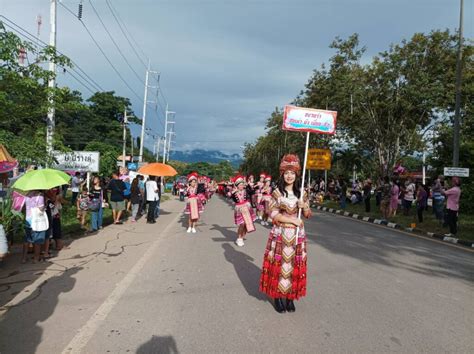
284, 264
201, 191
259, 195
244, 216
266, 198
193, 205
250, 189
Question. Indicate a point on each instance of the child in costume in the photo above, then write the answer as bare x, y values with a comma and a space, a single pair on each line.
193, 204
244, 216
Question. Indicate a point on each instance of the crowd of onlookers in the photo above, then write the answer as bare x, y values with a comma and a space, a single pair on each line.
394, 195
127, 197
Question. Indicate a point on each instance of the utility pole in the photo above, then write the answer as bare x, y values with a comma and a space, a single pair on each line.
52, 80
124, 124
142, 136
166, 132
171, 133
457, 108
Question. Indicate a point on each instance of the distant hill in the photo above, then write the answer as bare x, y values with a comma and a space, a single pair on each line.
211, 156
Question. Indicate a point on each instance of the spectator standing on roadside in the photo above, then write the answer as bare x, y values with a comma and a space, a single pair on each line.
408, 196
76, 183
117, 201
438, 198
394, 192
152, 197
135, 198
421, 201
454, 195
367, 189
97, 200
36, 224
126, 194
141, 187
343, 193
385, 197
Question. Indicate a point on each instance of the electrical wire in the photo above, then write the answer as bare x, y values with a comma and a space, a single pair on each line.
123, 32
126, 29
115, 43
70, 71
32, 37
102, 51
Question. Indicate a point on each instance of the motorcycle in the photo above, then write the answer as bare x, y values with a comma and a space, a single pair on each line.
181, 194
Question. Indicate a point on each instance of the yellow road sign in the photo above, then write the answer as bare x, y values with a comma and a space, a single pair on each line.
319, 159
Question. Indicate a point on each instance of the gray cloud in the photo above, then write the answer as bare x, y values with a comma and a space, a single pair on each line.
227, 64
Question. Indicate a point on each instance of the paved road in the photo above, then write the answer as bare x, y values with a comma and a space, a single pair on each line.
155, 289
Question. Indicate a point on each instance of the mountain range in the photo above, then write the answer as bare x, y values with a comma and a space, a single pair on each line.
211, 156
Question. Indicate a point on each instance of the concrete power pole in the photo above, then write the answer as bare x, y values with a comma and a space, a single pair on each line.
142, 136
52, 81
125, 121
457, 109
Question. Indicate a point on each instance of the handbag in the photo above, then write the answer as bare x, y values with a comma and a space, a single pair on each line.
39, 220
94, 204
18, 201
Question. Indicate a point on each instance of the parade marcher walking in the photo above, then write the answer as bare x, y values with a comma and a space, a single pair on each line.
244, 216
284, 263
266, 198
193, 205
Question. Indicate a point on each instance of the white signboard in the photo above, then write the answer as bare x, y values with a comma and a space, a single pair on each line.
456, 171
82, 161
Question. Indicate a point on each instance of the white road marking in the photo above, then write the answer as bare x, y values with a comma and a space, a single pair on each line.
83, 336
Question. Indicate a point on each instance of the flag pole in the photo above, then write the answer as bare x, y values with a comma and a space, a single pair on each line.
302, 182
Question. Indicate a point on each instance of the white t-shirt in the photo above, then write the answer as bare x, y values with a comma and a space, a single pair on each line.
409, 192
75, 184
151, 188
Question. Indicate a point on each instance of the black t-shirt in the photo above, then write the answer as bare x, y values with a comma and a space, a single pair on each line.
116, 187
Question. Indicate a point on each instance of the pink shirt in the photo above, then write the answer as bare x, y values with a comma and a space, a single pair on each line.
453, 194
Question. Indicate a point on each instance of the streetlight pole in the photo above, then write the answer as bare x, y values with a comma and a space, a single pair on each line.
52, 80
457, 108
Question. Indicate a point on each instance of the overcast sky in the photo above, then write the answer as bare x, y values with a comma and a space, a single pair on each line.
226, 64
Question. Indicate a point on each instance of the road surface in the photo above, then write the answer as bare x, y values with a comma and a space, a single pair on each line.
139, 288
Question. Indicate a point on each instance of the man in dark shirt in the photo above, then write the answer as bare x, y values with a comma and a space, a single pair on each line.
117, 200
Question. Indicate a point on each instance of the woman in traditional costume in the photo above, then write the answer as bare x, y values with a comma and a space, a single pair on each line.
259, 195
266, 198
244, 216
193, 205
250, 189
284, 263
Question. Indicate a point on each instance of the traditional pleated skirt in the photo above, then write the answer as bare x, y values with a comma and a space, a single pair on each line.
187, 210
284, 263
243, 211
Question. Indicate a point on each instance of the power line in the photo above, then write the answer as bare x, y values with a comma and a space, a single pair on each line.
123, 32
126, 29
115, 43
70, 71
102, 51
32, 37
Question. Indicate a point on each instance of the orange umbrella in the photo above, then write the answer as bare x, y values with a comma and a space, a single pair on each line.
157, 169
